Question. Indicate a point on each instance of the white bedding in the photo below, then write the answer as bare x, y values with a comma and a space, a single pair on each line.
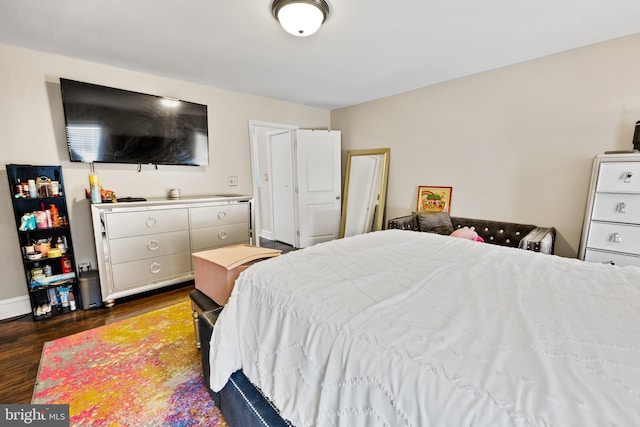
405, 328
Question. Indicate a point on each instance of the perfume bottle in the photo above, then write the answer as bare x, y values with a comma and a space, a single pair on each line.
94, 187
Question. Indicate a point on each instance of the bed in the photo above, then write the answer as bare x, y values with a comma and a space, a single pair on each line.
397, 328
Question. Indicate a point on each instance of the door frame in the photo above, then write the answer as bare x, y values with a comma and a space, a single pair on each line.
257, 136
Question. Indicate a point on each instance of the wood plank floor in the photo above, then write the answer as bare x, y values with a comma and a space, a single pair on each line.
21, 340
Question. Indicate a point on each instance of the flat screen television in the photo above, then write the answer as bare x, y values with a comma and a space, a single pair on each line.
110, 125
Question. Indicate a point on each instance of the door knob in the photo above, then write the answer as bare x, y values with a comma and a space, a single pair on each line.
617, 238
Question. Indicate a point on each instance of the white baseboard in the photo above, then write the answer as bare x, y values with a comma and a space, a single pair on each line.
14, 307
265, 234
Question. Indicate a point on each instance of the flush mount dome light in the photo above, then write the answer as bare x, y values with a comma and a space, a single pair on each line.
300, 17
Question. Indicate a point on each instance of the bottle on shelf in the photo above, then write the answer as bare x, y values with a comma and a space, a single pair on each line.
55, 215
33, 193
18, 193
66, 265
72, 301
60, 245
64, 296
25, 190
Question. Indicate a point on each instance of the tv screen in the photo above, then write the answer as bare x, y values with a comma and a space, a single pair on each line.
110, 125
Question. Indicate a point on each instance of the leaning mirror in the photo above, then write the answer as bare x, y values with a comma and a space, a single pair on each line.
365, 191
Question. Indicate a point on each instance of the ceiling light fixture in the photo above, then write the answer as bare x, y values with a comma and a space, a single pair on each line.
300, 17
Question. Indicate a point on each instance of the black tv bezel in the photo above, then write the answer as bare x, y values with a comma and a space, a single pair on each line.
136, 93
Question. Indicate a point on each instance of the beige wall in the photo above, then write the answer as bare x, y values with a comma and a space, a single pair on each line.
516, 144
32, 131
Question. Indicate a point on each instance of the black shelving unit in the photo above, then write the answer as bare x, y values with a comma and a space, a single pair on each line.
52, 277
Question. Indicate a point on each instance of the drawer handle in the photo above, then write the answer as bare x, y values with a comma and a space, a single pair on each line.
222, 214
154, 268
617, 238
151, 222
222, 235
153, 245
628, 176
622, 207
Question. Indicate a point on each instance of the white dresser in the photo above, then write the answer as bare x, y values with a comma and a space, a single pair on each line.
611, 230
142, 246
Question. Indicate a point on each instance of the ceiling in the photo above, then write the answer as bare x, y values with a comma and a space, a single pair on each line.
367, 49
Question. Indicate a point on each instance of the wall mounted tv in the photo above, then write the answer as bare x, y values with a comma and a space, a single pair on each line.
110, 125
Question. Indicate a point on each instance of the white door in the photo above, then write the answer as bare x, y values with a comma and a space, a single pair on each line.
282, 187
318, 172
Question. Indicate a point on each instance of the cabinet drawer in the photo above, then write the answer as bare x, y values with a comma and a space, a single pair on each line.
152, 221
142, 247
213, 237
617, 207
132, 274
619, 177
614, 237
215, 215
611, 257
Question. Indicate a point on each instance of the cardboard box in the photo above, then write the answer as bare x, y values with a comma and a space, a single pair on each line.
216, 270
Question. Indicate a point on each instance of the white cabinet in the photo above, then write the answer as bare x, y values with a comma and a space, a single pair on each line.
611, 230
142, 246
218, 225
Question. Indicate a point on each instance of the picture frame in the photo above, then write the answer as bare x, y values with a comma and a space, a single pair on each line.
434, 199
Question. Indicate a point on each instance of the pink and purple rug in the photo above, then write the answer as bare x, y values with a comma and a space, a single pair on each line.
143, 371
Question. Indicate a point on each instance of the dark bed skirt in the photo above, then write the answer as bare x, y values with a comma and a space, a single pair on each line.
243, 405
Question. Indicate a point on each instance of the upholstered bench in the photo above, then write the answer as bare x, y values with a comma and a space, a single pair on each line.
204, 310
205, 314
523, 236
239, 394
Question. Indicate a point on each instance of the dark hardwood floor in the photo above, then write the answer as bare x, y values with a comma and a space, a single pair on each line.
21, 339
274, 244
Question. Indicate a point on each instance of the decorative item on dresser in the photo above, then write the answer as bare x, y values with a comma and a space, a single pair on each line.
142, 246
611, 230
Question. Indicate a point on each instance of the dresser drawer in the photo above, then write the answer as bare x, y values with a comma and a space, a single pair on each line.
215, 215
152, 221
617, 207
213, 237
132, 274
611, 258
619, 177
142, 247
614, 237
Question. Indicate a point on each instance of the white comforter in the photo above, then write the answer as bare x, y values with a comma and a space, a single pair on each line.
402, 328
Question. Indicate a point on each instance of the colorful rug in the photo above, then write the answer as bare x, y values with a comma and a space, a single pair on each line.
143, 371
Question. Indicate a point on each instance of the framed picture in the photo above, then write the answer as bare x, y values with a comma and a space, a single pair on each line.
434, 199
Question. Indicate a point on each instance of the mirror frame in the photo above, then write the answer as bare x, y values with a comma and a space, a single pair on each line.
379, 218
